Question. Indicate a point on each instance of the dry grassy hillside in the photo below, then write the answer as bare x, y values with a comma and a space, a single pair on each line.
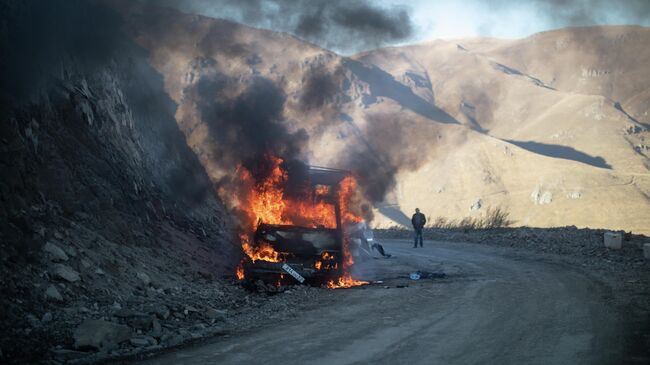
539, 126
548, 141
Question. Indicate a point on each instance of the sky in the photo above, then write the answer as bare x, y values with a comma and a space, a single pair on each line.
516, 19
350, 26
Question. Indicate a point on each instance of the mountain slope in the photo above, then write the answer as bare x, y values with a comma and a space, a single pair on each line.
441, 125
549, 153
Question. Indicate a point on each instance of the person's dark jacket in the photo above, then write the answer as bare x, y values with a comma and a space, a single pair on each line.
418, 220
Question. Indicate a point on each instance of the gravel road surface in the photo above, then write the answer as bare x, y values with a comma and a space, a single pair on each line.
494, 306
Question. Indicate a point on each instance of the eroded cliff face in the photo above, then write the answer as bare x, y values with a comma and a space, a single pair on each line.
101, 200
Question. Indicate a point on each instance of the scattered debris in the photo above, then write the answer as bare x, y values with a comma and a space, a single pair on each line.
426, 275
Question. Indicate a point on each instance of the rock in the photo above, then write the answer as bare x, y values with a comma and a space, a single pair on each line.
646, 251
141, 322
146, 280
66, 355
205, 275
55, 252
66, 273
46, 317
71, 251
175, 340
33, 321
143, 340
99, 271
158, 309
52, 293
156, 328
128, 313
215, 314
100, 335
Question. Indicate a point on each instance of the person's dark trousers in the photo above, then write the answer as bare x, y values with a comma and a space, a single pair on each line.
418, 235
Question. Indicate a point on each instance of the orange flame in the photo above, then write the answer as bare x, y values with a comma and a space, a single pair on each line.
345, 281
240, 271
265, 202
263, 252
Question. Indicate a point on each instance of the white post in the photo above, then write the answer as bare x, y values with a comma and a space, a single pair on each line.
613, 240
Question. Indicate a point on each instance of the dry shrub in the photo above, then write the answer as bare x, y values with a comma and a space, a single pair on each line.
493, 218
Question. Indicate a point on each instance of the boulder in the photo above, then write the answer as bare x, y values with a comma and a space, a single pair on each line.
52, 293
100, 335
156, 330
65, 272
67, 355
146, 280
215, 314
158, 309
141, 322
55, 252
143, 340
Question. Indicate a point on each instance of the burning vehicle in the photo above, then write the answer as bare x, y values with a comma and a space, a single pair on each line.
294, 231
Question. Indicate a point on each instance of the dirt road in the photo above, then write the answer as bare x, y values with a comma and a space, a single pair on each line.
494, 307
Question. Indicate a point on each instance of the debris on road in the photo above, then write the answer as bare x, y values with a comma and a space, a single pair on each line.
426, 275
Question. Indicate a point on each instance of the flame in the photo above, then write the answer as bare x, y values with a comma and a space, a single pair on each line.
240, 271
345, 281
265, 202
322, 190
348, 189
263, 252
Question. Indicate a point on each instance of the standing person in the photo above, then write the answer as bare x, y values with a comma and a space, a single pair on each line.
418, 220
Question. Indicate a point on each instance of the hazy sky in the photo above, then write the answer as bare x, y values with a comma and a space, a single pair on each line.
349, 26
514, 19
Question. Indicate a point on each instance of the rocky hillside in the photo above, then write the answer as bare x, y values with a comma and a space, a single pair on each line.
102, 204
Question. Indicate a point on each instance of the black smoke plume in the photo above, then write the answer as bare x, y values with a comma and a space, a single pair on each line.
247, 127
344, 26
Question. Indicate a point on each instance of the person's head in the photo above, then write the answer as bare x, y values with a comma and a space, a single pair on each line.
417, 210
